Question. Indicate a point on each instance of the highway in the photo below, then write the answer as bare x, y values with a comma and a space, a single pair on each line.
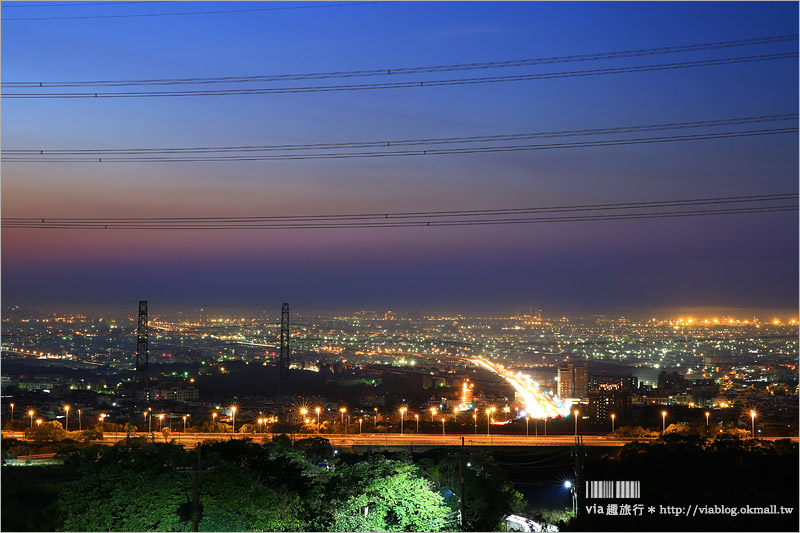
386, 440
379, 439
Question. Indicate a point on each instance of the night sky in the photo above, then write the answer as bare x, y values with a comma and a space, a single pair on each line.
732, 261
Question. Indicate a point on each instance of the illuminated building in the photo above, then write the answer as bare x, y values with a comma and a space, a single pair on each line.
573, 381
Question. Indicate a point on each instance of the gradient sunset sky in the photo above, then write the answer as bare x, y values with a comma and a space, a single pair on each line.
739, 261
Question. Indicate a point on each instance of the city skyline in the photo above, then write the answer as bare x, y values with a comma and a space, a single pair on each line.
738, 261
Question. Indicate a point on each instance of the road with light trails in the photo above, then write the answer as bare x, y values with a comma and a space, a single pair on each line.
391, 440
379, 439
538, 404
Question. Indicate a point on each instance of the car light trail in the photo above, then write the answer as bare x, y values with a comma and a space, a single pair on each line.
538, 404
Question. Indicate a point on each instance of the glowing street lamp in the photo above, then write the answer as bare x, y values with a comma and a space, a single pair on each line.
576, 412
160, 422
613, 416
66, 425
360, 421
753, 421
489, 412
38, 422
527, 420
31, 415
80, 426
433, 413
442, 427
233, 410
342, 411
184, 425
402, 416
707, 415
375, 421
303, 413
416, 417
663, 421
318, 409
475, 417
12, 412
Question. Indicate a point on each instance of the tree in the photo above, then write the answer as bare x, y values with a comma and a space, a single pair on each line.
385, 495
48, 431
141, 489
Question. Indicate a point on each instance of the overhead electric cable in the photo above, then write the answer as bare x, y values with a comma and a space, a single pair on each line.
408, 84
377, 221
405, 142
430, 214
773, 39
180, 13
399, 153
28, 4
777, 209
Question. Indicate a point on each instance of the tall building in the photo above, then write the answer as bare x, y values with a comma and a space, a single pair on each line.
466, 395
573, 381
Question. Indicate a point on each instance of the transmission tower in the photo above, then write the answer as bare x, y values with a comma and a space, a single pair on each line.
283, 359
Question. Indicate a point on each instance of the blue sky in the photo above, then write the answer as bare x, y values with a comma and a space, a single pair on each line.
724, 261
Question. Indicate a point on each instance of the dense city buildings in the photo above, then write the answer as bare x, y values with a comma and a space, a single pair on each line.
375, 362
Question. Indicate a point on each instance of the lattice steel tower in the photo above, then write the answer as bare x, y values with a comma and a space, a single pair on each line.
283, 359
142, 379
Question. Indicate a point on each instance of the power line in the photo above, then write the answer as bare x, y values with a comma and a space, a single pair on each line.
410, 84
374, 224
73, 4
180, 13
774, 39
406, 142
403, 153
429, 214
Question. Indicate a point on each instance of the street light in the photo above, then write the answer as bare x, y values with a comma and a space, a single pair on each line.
66, 426
442, 427
489, 411
318, 409
613, 416
233, 410
12, 412
663, 421
38, 422
31, 415
342, 411
570, 487
527, 420
360, 421
303, 413
160, 422
475, 417
707, 415
214, 421
417, 419
576, 422
402, 416
753, 421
